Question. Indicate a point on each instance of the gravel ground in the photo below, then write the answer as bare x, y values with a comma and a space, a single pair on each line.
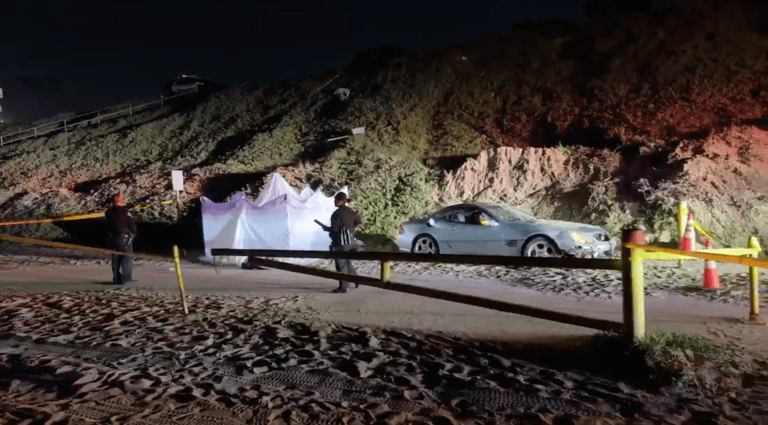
662, 278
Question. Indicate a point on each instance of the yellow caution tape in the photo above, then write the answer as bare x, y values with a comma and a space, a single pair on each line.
145, 206
51, 220
664, 256
72, 217
701, 230
703, 255
724, 251
29, 241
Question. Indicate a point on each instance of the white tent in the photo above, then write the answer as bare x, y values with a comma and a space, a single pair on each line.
280, 218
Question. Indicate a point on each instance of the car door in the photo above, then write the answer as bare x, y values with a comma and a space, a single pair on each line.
444, 231
475, 239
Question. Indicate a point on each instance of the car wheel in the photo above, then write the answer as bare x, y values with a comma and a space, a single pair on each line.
540, 247
425, 244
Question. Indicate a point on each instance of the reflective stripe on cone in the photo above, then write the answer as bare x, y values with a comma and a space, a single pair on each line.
711, 278
689, 237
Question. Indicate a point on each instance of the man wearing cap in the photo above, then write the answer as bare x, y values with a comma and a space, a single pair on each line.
344, 222
122, 231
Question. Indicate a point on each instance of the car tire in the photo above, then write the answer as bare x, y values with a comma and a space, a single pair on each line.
425, 244
541, 247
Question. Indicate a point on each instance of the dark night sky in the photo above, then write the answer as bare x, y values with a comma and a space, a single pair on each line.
70, 55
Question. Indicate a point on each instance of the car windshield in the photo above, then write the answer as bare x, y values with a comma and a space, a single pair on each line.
509, 213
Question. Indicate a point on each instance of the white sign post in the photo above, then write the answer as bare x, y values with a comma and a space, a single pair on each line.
177, 176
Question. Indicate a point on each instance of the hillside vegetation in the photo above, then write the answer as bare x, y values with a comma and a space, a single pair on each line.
625, 105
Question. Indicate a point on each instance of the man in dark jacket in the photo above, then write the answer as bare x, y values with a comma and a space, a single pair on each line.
344, 222
122, 231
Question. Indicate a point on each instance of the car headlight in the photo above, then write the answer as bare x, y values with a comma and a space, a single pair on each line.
582, 238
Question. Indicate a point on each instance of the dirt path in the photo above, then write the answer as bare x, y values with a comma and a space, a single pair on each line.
376, 307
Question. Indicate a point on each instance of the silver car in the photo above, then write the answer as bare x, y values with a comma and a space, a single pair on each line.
500, 229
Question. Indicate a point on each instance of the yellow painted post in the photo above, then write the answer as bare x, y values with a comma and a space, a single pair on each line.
754, 292
386, 271
178, 276
682, 217
638, 294
682, 221
633, 285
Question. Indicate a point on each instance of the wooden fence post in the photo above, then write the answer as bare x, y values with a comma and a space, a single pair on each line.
65, 127
130, 109
633, 293
754, 285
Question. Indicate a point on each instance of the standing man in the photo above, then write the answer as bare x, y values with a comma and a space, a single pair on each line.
344, 222
122, 231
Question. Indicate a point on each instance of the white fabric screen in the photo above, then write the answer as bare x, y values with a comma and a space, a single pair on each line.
279, 218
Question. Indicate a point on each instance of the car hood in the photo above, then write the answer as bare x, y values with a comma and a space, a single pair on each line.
571, 226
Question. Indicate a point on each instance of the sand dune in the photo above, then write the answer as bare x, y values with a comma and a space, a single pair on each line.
125, 356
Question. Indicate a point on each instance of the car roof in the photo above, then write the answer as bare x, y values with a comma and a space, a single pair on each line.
485, 204
473, 204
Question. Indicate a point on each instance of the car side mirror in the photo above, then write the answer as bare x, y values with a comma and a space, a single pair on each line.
431, 222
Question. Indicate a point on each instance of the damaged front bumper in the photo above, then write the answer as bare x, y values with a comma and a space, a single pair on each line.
601, 250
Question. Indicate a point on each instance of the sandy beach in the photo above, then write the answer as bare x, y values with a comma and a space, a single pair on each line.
265, 346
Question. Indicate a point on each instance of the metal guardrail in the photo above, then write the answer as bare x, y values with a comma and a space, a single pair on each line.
81, 120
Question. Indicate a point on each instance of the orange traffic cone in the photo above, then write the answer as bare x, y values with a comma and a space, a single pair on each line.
689, 237
711, 279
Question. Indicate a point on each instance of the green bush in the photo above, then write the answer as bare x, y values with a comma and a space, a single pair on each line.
267, 150
387, 189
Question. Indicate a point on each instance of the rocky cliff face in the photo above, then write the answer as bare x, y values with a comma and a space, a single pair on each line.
722, 177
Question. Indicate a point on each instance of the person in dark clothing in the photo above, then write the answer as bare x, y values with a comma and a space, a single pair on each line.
344, 222
122, 231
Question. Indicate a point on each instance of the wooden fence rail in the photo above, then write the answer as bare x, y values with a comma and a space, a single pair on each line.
385, 258
634, 251
587, 322
488, 260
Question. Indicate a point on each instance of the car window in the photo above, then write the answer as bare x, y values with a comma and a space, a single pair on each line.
445, 214
475, 216
460, 215
468, 215
506, 212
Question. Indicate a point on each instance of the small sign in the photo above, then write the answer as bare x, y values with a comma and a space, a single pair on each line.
1, 93
358, 130
178, 180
